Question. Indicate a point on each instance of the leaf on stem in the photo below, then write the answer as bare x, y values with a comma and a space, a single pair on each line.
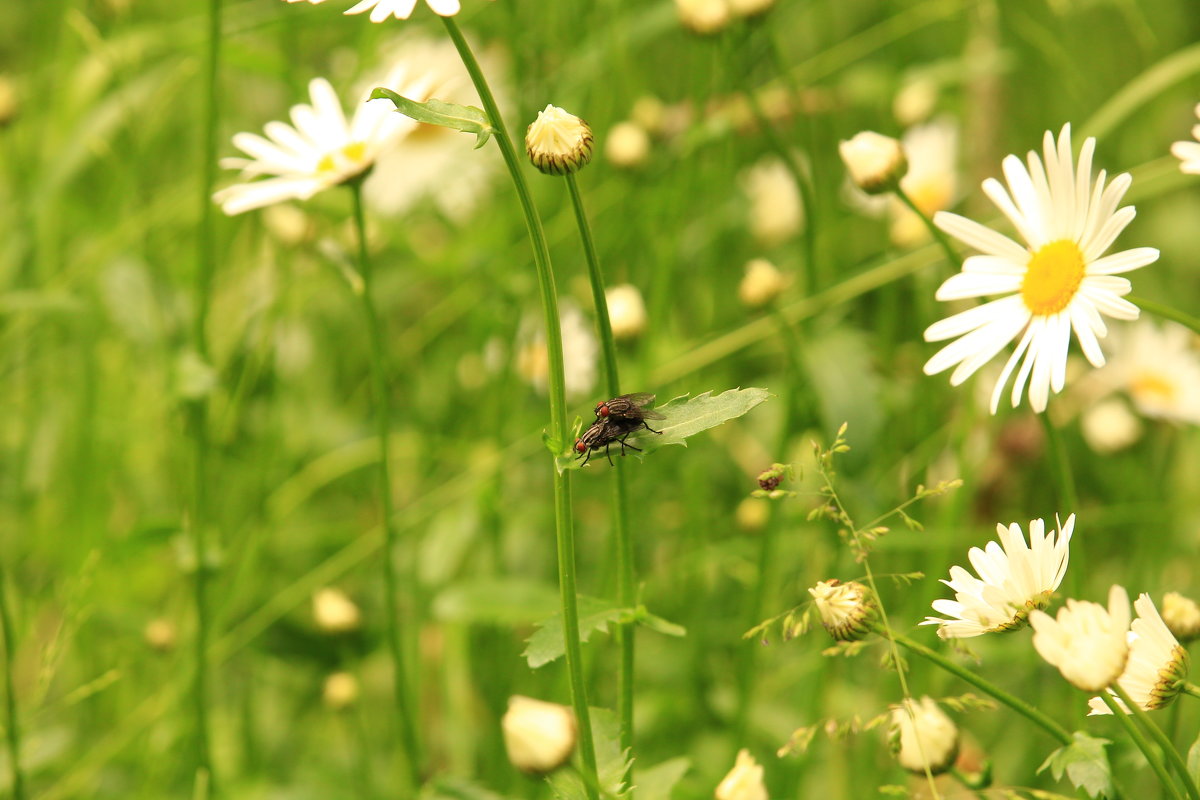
1085, 762
467, 119
612, 763
546, 644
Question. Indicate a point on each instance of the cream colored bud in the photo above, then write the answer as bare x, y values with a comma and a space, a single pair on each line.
847, 609
161, 634
915, 101
1085, 641
341, 690
334, 612
776, 210
287, 223
627, 145
650, 113
876, 162
750, 8
1109, 426
703, 16
921, 734
626, 311
1182, 616
558, 143
752, 514
744, 781
10, 105
762, 283
539, 736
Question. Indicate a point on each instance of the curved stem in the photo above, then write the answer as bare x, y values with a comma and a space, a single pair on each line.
10, 698
401, 686
626, 575
197, 409
1190, 688
934, 230
1156, 733
1142, 743
1012, 701
558, 414
1166, 312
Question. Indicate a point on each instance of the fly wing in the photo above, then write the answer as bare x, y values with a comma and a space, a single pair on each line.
642, 400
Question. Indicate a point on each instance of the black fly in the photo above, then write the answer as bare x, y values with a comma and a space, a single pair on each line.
629, 408
602, 434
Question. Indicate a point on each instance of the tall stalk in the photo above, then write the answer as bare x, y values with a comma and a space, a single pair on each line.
626, 575
558, 409
401, 685
12, 726
197, 410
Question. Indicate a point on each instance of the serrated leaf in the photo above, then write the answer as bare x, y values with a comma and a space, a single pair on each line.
467, 119
546, 643
1085, 763
657, 782
611, 762
682, 418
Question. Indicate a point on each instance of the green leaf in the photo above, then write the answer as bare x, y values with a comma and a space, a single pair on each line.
467, 119
682, 417
656, 783
1193, 761
546, 644
611, 762
1085, 762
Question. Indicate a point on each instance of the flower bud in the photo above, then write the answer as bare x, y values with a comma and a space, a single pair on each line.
761, 284
626, 311
752, 514
341, 690
1182, 616
334, 612
1109, 426
744, 781
920, 734
558, 143
649, 114
703, 16
539, 736
627, 145
1085, 641
10, 104
161, 634
847, 609
775, 209
876, 162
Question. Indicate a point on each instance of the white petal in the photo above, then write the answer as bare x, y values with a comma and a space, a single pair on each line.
965, 285
1108, 233
981, 238
999, 195
976, 317
1008, 367
447, 8
1125, 261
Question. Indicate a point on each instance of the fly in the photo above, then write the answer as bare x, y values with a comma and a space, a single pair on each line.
602, 434
629, 408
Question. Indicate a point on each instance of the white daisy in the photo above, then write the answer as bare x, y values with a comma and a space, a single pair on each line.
1061, 281
319, 150
1189, 152
1159, 368
1157, 662
400, 9
1014, 579
1085, 641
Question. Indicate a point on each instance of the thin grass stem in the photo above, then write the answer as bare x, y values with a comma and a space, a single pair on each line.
1167, 312
1156, 733
1142, 743
11, 723
934, 230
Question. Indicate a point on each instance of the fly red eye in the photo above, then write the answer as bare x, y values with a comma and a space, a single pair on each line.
603, 410
580, 446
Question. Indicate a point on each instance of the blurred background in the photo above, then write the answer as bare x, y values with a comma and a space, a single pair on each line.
100, 185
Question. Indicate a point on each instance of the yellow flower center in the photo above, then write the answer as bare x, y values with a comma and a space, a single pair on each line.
1052, 277
1153, 387
338, 160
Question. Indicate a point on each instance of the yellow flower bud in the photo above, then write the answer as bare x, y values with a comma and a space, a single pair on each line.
557, 142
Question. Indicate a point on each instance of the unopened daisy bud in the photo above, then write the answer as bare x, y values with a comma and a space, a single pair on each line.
1110, 426
1157, 665
876, 162
703, 16
744, 781
558, 143
539, 736
161, 634
762, 283
1181, 615
1085, 641
340, 691
9, 104
915, 101
627, 145
334, 612
920, 733
750, 8
626, 311
847, 609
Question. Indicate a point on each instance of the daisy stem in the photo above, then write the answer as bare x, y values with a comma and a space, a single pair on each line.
558, 414
1156, 733
1142, 743
13, 729
1190, 688
197, 409
405, 711
626, 575
1067, 498
1166, 312
934, 230
1012, 701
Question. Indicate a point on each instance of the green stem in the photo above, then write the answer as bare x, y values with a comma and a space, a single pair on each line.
934, 230
1063, 477
197, 410
10, 697
558, 408
1190, 688
1142, 743
1173, 756
401, 687
1012, 701
1166, 312
626, 575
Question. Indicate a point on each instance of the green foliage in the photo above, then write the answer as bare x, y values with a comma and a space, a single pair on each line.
611, 763
546, 644
1085, 763
467, 119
